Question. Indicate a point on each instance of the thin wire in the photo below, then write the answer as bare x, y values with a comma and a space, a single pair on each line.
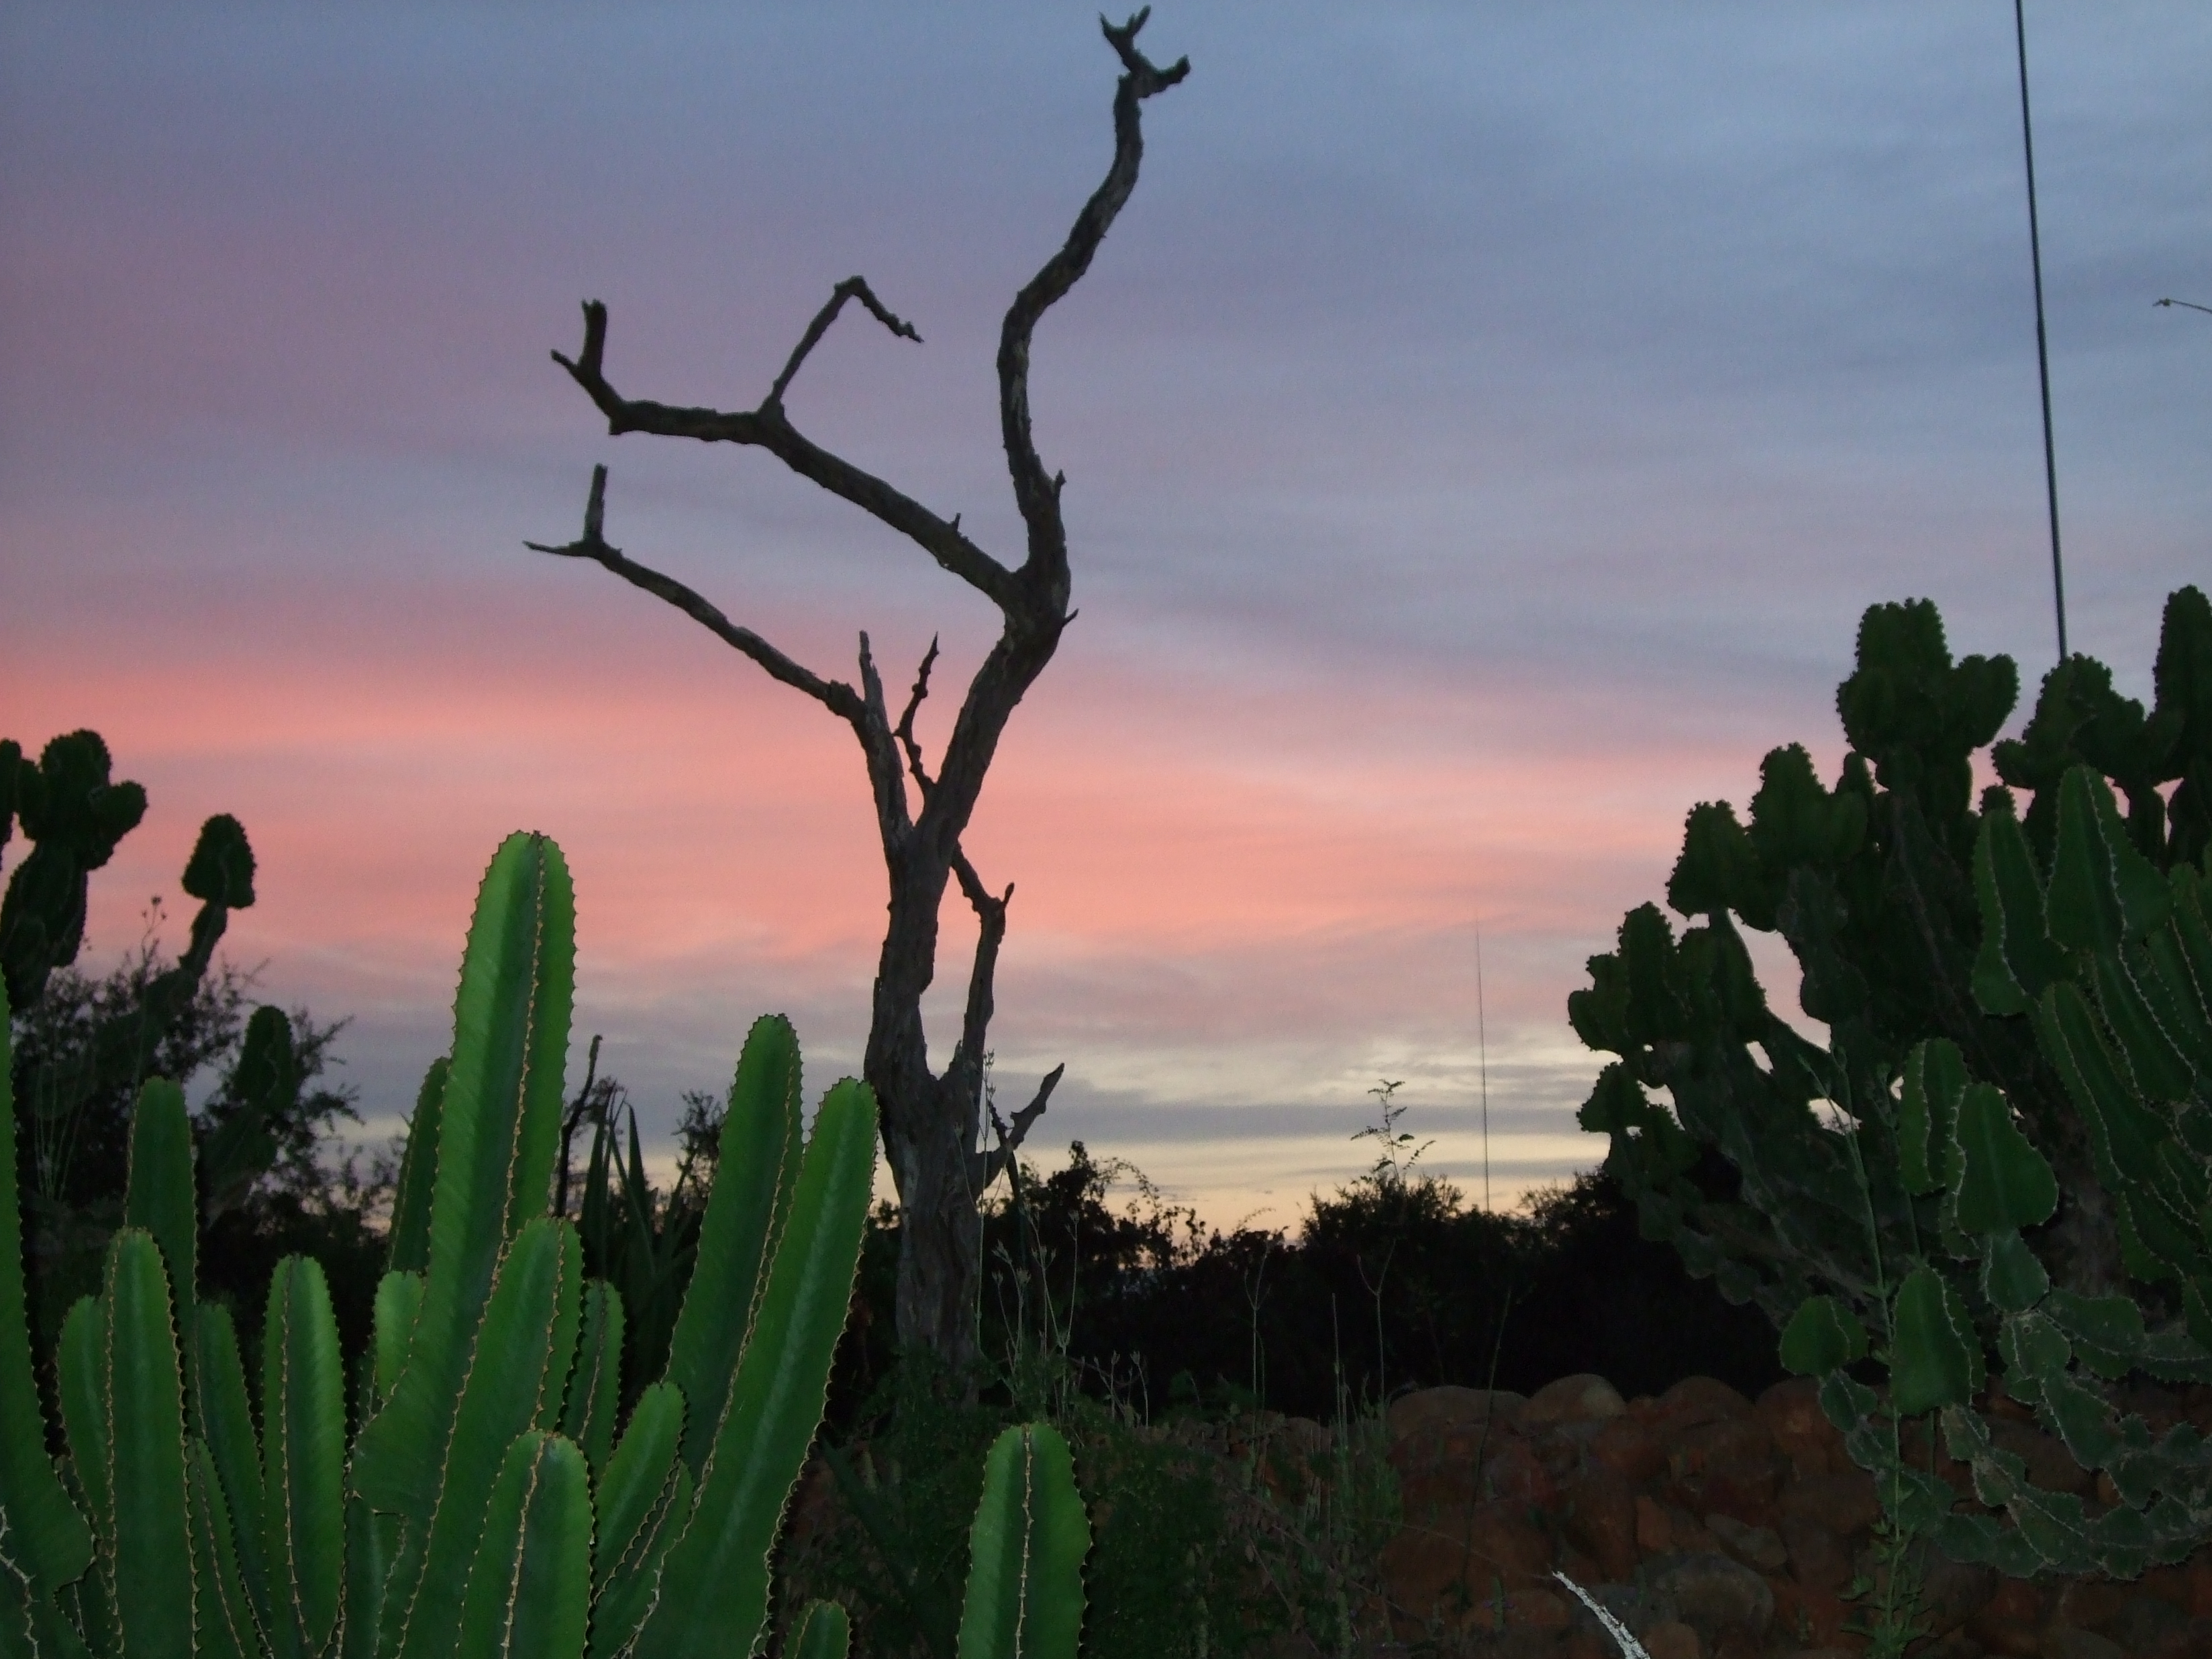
1482, 1051
2042, 338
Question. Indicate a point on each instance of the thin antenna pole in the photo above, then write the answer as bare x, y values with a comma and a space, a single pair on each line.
1482, 1053
2042, 338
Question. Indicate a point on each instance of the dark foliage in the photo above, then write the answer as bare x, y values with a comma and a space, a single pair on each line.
1393, 1284
76, 1162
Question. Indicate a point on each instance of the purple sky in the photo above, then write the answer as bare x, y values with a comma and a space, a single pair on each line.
1483, 430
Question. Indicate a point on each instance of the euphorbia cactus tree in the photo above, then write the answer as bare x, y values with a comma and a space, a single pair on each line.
1997, 1162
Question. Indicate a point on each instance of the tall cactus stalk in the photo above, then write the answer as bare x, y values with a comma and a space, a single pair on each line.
490, 1501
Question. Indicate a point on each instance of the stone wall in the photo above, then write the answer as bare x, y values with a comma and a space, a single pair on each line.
1714, 1527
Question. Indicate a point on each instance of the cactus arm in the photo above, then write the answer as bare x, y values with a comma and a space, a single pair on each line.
498, 1126
644, 1499
716, 1579
302, 1399
266, 1081
2148, 1021
79, 1363
159, 1196
233, 1450
151, 1547
2174, 999
627, 1585
1025, 1552
418, 1174
227, 1626
595, 1389
1063, 1532
753, 1178
510, 1043
638, 1473
2102, 890
1824, 1335
2158, 1238
2002, 1182
372, 1548
399, 1302
824, 1633
529, 1591
2016, 957
1935, 1077
44, 1538
518, 1365
1936, 1355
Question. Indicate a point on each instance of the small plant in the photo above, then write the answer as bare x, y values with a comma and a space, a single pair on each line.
1396, 1153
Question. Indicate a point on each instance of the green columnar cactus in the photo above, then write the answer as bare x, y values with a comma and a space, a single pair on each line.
1025, 1552
1997, 1163
490, 1497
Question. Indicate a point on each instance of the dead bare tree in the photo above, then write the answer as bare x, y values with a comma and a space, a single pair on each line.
931, 1120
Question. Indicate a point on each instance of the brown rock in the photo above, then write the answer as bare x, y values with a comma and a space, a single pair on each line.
1451, 1407
1731, 1465
2198, 1572
1702, 1399
1803, 1434
1516, 1472
1654, 1530
2067, 1642
2168, 1584
1844, 1503
1583, 1644
1811, 1616
1536, 1609
1627, 1445
1794, 1407
2088, 1604
1585, 1397
1673, 1640
2009, 1620
1818, 1559
1478, 1552
2146, 1623
1953, 1592
1599, 1512
1757, 1547
2192, 1641
1711, 1593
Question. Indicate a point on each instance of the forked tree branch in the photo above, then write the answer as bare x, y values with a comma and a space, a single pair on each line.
904, 731
833, 694
975, 1020
1037, 497
853, 288
995, 1163
770, 429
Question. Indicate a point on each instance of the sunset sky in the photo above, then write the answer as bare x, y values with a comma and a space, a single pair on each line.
1483, 430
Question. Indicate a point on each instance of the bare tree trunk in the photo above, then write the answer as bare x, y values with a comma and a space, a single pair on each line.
931, 1120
